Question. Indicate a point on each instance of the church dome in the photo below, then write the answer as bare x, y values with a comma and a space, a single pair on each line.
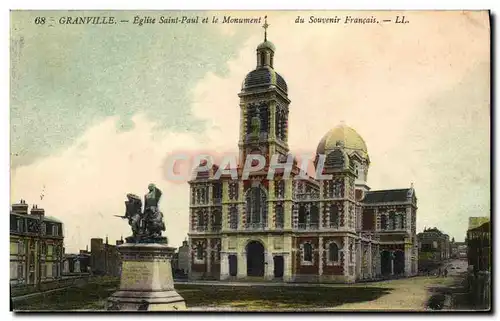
264, 77
346, 137
266, 45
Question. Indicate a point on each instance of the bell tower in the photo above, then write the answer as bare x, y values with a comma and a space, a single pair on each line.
264, 107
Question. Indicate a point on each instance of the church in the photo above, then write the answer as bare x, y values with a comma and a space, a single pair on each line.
300, 228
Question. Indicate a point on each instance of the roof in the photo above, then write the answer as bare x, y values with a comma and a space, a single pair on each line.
386, 196
483, 228
351, 140
35, 217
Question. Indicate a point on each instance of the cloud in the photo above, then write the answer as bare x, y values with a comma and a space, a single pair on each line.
408, 90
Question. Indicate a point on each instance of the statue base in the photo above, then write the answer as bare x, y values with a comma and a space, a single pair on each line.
146, 282
147, 240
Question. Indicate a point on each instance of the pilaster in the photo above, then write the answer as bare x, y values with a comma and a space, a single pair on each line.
270, 206
224, 266
269, 267
320, 254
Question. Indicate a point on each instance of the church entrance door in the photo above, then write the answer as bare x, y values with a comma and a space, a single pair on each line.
399, 263
278, 266
255, 259
233, 265
385, 262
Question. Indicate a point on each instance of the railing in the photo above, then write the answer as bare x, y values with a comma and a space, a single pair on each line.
216, 228
255, 226
334, 225
233, 226
217, 201
308, 226
279, 225
201, 228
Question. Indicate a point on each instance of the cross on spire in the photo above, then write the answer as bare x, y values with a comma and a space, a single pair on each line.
265, 26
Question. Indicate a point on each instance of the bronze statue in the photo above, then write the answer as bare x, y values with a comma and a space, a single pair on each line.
148, 225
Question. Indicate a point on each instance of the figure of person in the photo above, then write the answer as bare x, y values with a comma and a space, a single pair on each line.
256, 124
152, 198
153, 215
445, 272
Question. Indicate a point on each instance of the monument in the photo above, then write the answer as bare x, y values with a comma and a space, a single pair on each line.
146, 282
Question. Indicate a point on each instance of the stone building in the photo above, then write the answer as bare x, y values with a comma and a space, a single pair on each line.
77, 263
36, 245
299, 228
104, 257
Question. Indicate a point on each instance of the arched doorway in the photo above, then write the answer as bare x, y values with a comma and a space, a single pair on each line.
255, 259
399, 262
385, 262
278, 266
233, 265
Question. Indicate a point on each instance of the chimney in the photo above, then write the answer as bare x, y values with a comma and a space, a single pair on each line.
20, 208
37, 211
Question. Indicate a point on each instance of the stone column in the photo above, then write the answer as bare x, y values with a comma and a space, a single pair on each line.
270, 206
408, 219
225, 208
269, 268
241, 207
346, 256
377, 260
224, 266
407, 259
359, 258
320, 256
209, 259
242, 265
369, 261
287, 268
392, 262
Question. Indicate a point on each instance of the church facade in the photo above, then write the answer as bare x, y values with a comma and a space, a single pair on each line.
297, 228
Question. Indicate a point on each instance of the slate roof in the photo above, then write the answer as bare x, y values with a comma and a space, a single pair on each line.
386, 196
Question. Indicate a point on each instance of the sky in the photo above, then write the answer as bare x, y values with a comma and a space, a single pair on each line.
96, 110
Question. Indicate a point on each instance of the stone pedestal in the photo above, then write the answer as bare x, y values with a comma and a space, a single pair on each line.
146, 282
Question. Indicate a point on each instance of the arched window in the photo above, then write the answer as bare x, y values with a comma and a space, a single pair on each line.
200, 220
302, 216
216, 220
392, 221
280, 216
334, 216
398, 222
308, 252
314, 217
280, 189
383, 222
233, 218
199, 252
333, 252
256, 206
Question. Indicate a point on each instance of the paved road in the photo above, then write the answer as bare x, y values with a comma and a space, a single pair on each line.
410, 294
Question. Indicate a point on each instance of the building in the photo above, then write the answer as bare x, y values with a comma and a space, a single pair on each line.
36, 245
104, 257
183, 257
458, 249
77, 263
296, 228
479, 247
434, 248
477, 221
